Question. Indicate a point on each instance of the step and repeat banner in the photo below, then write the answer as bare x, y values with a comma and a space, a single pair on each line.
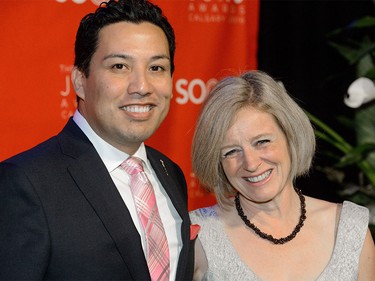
214, 38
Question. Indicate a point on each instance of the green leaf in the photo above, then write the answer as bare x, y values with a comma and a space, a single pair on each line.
370, 73
365, 129
328, 134
347, 122
356, 155
354, 51
364, 22
349, 53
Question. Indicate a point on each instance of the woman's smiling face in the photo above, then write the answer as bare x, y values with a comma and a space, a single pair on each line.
255, 156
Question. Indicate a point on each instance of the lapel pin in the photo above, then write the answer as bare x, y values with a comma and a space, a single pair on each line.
165, 169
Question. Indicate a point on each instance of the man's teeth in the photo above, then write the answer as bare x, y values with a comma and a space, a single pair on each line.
137, 108
260, 177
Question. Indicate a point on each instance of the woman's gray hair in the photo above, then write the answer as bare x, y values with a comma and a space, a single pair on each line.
252, 89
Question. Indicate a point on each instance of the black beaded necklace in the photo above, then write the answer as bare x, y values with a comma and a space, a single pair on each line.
268, 236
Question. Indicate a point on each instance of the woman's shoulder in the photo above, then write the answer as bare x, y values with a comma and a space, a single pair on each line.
322, 207
355, 213
319, 207
354, 207
345, 214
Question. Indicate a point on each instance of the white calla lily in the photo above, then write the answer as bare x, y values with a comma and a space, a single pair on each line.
360, 92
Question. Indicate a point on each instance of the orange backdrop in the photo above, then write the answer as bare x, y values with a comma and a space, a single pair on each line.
214, 38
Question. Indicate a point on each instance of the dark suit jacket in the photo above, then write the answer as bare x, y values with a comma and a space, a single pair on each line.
62, 218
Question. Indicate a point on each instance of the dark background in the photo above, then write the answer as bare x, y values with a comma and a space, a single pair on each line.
293, 47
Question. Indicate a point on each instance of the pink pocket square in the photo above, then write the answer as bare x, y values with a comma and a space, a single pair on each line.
194, 229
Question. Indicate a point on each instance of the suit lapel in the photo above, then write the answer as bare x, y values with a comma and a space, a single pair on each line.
95, 183
169, 184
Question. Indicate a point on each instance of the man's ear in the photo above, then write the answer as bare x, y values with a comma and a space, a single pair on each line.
78, 81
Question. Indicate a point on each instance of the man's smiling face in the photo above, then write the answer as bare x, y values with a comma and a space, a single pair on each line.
127, 93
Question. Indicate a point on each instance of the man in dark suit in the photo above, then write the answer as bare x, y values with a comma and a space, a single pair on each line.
66, 208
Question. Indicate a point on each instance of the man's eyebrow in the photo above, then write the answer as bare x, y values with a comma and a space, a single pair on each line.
158, 57
124, 56
121, 56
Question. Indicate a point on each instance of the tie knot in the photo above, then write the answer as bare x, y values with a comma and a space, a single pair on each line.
132, 165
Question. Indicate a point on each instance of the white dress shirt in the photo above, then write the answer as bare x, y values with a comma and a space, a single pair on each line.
112, 158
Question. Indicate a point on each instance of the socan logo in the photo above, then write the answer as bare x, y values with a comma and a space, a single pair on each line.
194, 91
217, 11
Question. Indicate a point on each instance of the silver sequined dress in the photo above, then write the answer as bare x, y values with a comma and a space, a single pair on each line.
224, 264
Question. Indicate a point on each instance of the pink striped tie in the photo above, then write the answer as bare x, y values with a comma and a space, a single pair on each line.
145, 202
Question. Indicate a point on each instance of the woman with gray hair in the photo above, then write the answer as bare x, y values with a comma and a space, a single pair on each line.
251, 142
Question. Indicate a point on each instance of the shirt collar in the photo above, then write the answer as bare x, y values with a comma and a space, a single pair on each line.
110, 155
